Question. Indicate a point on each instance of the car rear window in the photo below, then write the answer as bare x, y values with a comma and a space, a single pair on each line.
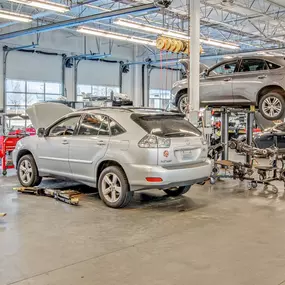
166, 125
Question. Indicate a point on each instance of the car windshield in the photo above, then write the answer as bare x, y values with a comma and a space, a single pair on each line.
166, 125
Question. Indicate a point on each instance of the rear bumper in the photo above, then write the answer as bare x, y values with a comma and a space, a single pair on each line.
189, 175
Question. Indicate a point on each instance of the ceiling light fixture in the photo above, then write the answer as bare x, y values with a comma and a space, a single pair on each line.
172, 33
116, 36
15, 16
42, 4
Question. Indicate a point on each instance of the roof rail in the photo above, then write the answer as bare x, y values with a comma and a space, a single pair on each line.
104, 108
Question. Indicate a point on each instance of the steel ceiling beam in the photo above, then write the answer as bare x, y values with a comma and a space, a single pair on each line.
80, 21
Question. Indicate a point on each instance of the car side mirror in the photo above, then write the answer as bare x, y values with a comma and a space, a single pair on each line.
41, 132
205, 72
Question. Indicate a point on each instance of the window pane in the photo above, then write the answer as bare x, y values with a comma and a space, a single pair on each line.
272, 65
34, 98
104, 129
166, 125
15, 85
99, 91
116, 129
53, 88
51, 97
91, 125
35, 87
86, 89
15, 99
225, 68
252, 65
115, 91
16, 109
65, 127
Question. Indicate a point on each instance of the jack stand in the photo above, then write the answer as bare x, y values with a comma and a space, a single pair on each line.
225, 133
249, 130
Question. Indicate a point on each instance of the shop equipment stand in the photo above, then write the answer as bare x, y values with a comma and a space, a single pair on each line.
7, 145
225, 112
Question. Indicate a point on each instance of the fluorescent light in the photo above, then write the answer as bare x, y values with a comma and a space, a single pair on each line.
172, 33
15, 16
219, 44
42, 4
116, 36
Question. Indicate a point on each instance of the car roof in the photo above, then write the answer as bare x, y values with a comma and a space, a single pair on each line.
125, 110
276, 59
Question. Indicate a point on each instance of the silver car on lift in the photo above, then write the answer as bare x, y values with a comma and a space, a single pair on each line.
115, 149
240, 81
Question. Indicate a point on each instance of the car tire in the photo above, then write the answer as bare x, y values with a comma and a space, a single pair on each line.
27, 171
114, 188
268, 99
182, 103
177, 191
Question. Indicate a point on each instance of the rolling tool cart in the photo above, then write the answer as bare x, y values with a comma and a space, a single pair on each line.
7, 145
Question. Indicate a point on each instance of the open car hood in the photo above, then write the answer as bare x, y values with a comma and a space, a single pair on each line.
44, 114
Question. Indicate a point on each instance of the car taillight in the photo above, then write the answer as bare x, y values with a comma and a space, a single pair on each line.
152, 141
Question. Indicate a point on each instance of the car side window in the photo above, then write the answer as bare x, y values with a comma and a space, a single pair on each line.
94, 125
64, 128
224, 69
272, 65
115, 128
248, 65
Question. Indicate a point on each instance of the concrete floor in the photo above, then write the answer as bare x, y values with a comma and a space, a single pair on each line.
213, 235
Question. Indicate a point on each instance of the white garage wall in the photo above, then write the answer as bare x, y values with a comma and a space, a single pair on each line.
40, 67
163, 79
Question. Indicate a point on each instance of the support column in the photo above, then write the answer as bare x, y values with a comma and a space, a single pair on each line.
249, 131
225, 133
194, 60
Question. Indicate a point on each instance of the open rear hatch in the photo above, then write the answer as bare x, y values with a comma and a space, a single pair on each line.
178, 141
44, 114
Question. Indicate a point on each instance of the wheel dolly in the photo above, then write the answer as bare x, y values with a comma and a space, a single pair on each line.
71, 197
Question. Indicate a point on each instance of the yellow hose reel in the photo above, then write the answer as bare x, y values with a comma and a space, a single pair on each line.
173, 45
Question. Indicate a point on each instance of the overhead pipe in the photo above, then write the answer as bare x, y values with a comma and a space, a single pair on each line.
80, 21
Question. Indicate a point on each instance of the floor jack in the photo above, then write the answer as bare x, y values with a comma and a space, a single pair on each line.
71, 197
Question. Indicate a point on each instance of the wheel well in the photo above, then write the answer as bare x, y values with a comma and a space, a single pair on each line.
179, 94
22, 153
105, 164
267, 89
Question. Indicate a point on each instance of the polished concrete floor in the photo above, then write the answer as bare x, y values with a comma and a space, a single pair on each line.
213, 235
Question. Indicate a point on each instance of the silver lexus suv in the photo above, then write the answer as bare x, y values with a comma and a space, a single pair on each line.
117, 150
241, 81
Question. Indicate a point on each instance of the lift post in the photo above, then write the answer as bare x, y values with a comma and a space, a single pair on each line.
225, 133
249, 129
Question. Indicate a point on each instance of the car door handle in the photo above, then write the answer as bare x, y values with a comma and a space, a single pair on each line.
65, 142
227, 79
262, 76
101, 143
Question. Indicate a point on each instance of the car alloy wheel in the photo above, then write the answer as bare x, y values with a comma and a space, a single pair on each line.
183, 104
111, 187
272, 107
26, 171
